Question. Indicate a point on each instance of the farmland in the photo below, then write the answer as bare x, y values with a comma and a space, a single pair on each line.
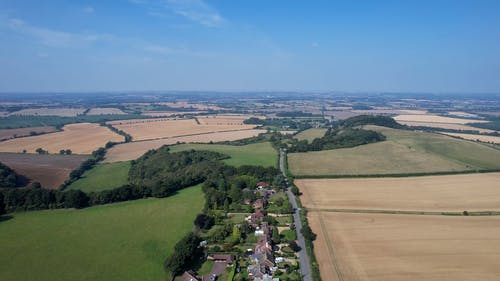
481, 138
122, 241
133, 150
22, 132
406, 247
257, 154
404, 152
49, 170
435, 119
449, 193
311, 134
105, 111
81, 138
167, 128
103, 177
62, 112
450, 126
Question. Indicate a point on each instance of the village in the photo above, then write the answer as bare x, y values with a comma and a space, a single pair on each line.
258, 246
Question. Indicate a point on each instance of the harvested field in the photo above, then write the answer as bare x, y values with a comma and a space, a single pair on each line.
49, 170
133, 150
169, 113
406, 247
182, 104
81, 138
105, 110
450, 193
445, 126
22, 132
63, 112
481, 138
289, 132
390, 111
167, 128
436, 119
403, 152
311, 134
223, 119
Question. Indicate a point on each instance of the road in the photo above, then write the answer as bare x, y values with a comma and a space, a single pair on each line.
305, 265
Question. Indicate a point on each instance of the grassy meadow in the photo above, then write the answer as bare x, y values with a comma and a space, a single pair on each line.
403, 152
311, 134
103, 177
122, 241
258, 154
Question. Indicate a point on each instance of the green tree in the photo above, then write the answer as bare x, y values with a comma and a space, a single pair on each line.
2, 204
275, 236
236, 236
62, 151
69, 152
308, 233
226, 205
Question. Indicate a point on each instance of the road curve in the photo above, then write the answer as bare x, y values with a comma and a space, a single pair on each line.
305, 265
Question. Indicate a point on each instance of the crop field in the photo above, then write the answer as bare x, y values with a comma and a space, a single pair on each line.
224, 119
445, 126
105, 111
122, 241
404, 152
435, 119
63, 112
449, 193
103, 177
258, 154
167, 128
133, 150
169, 113
49, 170
181, 104
81, 138
481, 138
389, 247
22, 132
311, 134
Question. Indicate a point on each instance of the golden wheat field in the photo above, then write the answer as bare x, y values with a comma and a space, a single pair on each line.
481, 138
22, 132
63, 112
435, 119
445, 126
133, 150
449, 193
387, 247
81, 138
148, 129
105, 110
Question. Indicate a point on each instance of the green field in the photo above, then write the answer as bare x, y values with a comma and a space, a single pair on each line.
403, 152
258, 154
311, 134
122, 241
103, 176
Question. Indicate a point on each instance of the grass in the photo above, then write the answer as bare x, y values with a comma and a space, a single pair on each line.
103, 177
122, 241
258, 154
311, 134
403, 152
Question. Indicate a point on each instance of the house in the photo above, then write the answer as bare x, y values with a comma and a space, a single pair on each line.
190, 276
261, 185
259, 231
256, 271
260, 203
257, 216
279, 260
228, 259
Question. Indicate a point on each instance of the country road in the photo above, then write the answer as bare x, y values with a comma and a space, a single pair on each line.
305, 265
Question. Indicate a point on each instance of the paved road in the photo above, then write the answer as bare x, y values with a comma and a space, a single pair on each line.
305, 265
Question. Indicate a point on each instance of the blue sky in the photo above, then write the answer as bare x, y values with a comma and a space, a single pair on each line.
397, 46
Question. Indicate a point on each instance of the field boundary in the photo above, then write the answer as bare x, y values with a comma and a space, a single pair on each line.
398, 212
399, 175
189, 135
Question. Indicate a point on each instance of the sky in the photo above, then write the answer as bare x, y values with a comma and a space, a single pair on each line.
254, 45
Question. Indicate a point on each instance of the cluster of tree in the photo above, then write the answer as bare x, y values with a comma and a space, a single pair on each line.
280, 206
338, 139
186, 251
128, 138
41, 151
294, 114
493, 124
9, 178
253, 121
65, 151
2, 205
97, 156
361, 120
37, 198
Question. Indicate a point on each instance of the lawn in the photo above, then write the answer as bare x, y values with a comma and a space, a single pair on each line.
403, 152
257, 154
311, 134
122, 241
103, 176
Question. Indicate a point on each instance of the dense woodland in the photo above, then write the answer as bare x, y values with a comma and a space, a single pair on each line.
9, 178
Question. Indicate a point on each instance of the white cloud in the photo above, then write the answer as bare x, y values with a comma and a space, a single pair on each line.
193, 10
53, 38
88, 10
